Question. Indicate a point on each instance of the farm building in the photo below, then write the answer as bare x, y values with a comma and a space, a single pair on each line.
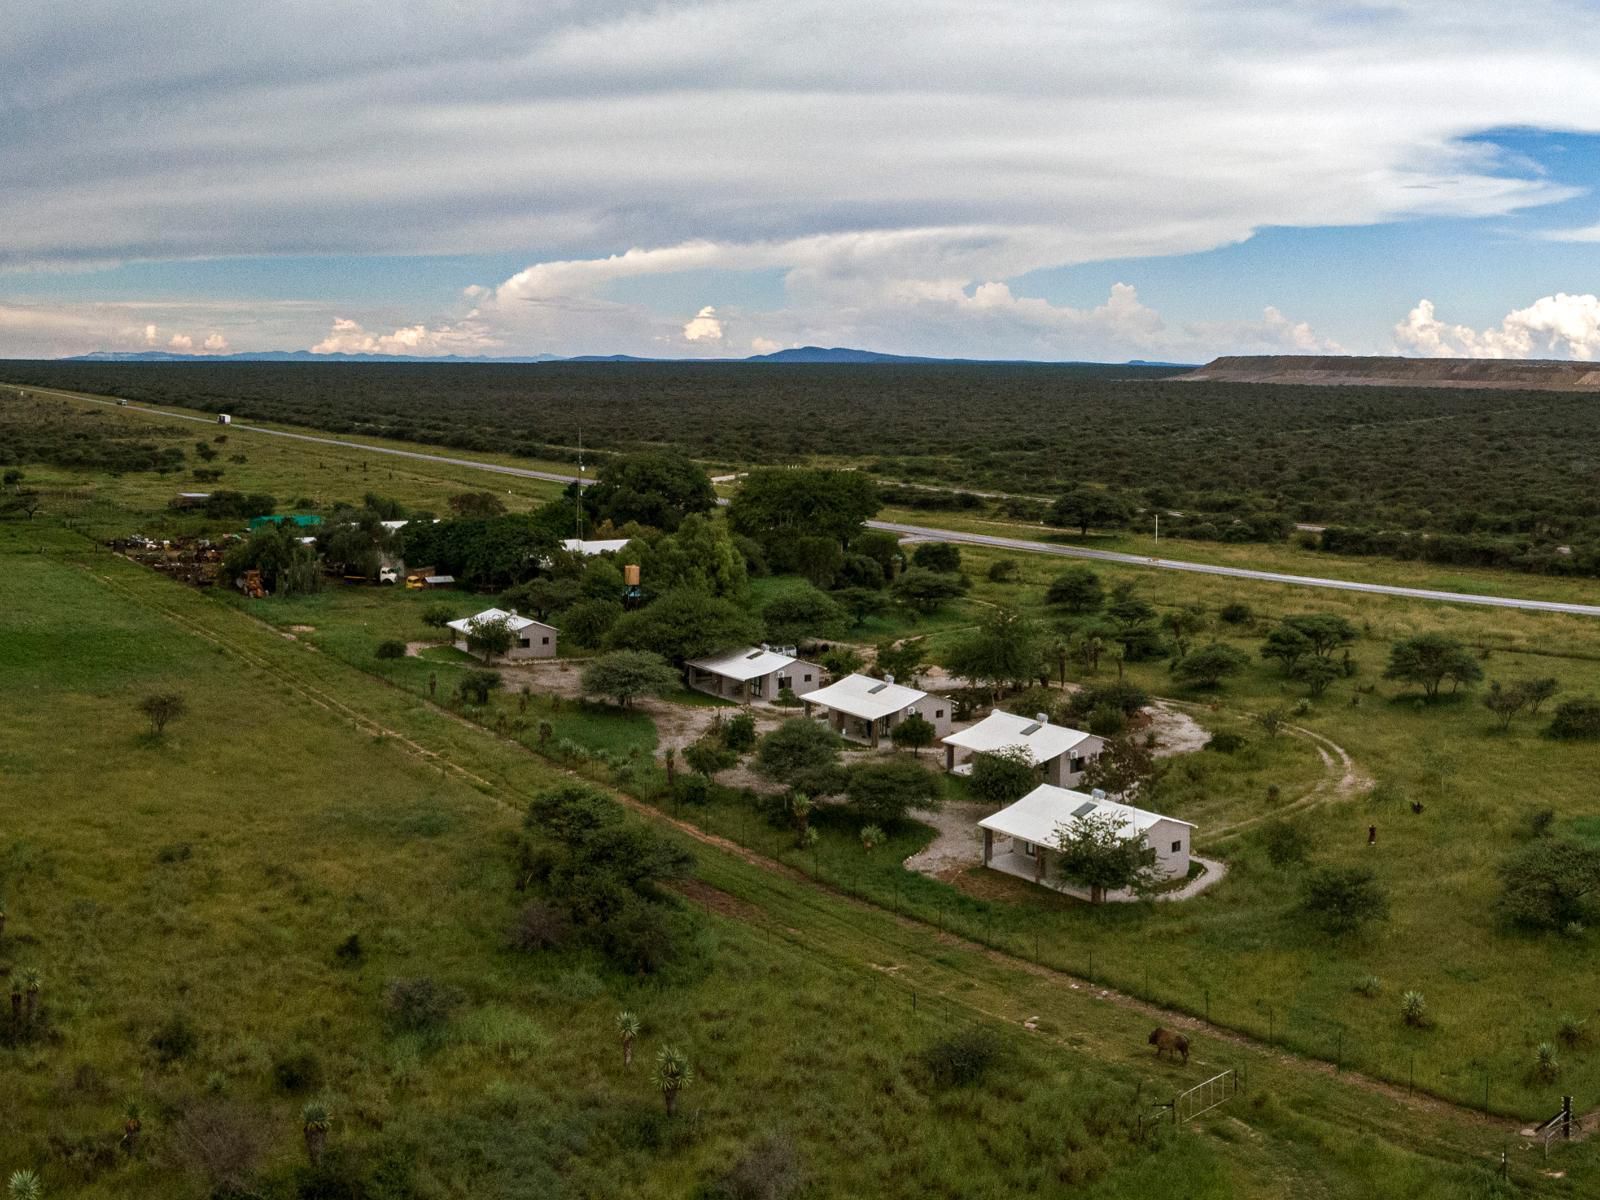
299, 520
1061, 753
1021, 839
530, 638
752, 673
589, 548
865, 709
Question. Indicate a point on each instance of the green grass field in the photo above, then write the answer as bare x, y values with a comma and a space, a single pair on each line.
313, 791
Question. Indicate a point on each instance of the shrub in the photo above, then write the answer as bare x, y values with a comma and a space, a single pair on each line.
769, 1169
739, 732
175, 1039
295, 1072
1570, 1030
691, 789
1003, 570
176, 853
1539, 822
350, 952
391, 648
419, 1004
963, 1058
1225, 743
1550, 882
944, 557
1125, 697
1237, 614
1285, 844
1107, 721
1577, 719
540, 926
1342, 899
1414, 1010
1369, 986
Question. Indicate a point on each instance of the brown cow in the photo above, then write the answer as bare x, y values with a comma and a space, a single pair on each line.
1168, 1042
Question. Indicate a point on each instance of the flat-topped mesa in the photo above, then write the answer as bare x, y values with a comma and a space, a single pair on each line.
1393, 371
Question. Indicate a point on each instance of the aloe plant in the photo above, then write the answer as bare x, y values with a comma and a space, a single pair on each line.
673, 1074
1545, 1064
1414, 1009
26, 1185
627, 1031
315, 1122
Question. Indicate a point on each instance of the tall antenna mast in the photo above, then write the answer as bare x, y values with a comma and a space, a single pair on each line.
579, 497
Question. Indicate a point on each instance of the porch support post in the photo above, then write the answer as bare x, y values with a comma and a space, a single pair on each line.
988, 846
1038, 864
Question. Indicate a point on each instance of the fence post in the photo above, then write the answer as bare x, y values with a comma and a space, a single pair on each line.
1338, 1060
1566, 1116
1208, 1006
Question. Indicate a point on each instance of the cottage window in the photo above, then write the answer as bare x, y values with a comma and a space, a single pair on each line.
808, 677
525, 643
544, 641
937, 713
1177, 846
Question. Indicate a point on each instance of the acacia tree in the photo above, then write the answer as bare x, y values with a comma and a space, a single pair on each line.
1343, 899
624, 674
1007, 647
1550, 883
1121, 767
1096, 854
160, 708
1077, 589
881, 793
1429, 659
1084, 506
1208, 666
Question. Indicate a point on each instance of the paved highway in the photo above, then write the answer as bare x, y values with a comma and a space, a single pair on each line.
928, 533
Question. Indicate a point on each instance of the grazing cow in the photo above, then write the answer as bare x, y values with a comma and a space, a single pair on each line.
1167, 1042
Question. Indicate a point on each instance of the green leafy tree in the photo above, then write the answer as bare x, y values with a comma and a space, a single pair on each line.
1094, 853
777, 505
1318, 674
818, 558
542, 598
700, 557
1505, 702
861, 604
475, 686
937, 556
924, 591
1550, 882
437, 617
624, 675
1343, 899
904, 659
1183, 624
1540, 690
650, 488
1324, 632
1287, 645
1209, 666
800, 613
882, 793
1084, 506
476, 504
685, 624
883, 548
491, 638
914, 733
586, 624
1004, 776
1429, 659
1121, 767
1077, 590
1007, 647
799, 747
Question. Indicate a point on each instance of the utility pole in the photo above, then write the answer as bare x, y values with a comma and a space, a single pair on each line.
578, 498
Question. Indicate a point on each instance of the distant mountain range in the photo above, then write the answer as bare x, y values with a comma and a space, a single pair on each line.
798, 354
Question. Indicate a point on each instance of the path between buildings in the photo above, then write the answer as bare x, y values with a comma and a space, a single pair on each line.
924, 532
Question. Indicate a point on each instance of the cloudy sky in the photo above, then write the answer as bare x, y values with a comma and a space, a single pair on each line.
1105, 179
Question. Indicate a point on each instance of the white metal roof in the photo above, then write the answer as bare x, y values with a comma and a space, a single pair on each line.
745, 664
1038, 815
602, 546
1001, 729
865, 697
514, 622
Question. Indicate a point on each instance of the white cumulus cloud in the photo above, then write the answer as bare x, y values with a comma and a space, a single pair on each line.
1558, 326
349, 337
181, 342
216, 343
704, 327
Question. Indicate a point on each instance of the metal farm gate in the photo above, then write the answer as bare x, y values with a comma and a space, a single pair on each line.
1203, 1097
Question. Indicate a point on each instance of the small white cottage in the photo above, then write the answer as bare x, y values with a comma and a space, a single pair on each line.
530, 638
1060, 752
865, 709
1022, 839
752, 673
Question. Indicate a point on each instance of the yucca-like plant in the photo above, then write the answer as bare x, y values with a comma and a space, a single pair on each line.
315, 1121
132, 1127
1545, 1065
26, 1185
1569, 1030
627, 1032
1414, 1009
1369, 986
871, 838
32, 981
673, 1074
